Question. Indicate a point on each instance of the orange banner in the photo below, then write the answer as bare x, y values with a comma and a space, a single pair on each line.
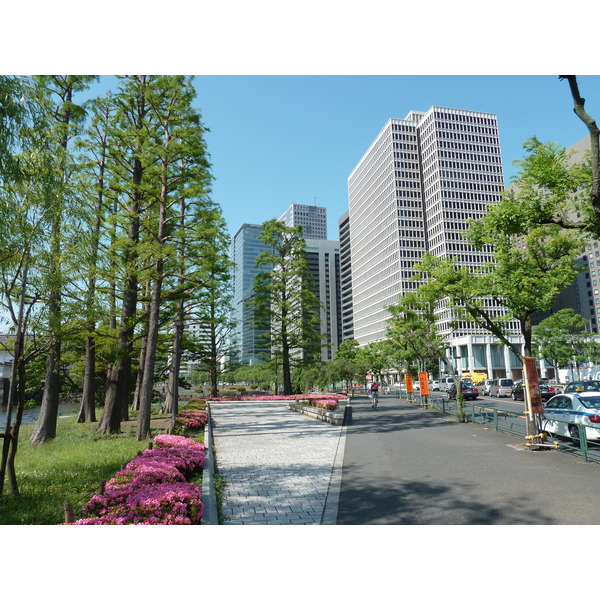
533, 386
424, 383
409, 383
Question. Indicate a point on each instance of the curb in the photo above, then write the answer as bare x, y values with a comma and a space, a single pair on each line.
209, 496
332, 500
334, 418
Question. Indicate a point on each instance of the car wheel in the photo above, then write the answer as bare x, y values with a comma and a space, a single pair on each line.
574, 433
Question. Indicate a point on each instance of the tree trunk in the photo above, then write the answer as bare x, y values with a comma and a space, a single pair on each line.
45, 428
87, 412
143, 428
118, 387
171, 403
11, 435
287, 370
12, 473
139, 383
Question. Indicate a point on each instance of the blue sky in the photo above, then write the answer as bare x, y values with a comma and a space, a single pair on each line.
278, 140
294, 95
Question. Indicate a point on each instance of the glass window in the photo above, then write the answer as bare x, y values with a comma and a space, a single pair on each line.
554, 403
590, 401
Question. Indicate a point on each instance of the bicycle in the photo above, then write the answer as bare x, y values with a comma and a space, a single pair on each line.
374, 399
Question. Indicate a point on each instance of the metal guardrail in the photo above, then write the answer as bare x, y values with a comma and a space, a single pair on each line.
512, 422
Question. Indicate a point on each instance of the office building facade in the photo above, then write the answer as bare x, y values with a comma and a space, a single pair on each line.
312, 218
323, 257
249, 341
413, 191
347, 313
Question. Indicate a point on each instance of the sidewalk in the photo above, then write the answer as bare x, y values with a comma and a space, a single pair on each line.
279, 466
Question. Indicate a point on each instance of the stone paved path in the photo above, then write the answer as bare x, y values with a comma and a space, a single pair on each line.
277, 464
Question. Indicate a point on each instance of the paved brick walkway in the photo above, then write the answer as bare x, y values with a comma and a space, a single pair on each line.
277, 464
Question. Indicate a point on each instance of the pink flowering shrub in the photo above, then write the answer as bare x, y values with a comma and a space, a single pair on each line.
328, 401
152, 488
162, 504
192, 419
324, 403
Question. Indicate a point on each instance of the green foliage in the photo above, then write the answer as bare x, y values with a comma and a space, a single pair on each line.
375, 357
562, 338
413, 334
533, 256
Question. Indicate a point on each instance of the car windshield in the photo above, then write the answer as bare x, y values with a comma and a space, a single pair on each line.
590, 401
581, 386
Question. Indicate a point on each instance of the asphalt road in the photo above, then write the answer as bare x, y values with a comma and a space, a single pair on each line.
404, 465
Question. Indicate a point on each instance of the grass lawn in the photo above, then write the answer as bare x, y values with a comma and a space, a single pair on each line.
68, 469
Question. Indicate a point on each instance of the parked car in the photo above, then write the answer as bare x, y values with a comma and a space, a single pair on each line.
445, 383
469, 392
564, 412
434, 386
546, 391
592, 385
501, 387
485, 388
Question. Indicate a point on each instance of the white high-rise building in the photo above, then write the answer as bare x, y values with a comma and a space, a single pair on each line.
312, 218
413, 191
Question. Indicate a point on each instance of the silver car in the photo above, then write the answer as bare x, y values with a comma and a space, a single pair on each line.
501, 387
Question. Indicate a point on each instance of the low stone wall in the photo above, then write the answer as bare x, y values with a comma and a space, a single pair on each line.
334, 417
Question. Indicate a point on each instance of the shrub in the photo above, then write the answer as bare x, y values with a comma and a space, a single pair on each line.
152, 488
192, 419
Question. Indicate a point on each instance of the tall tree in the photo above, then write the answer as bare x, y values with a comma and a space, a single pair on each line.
533, 260
182, 167
93, 187
212, 312
68, 117
131, 163
283, 298
24, 213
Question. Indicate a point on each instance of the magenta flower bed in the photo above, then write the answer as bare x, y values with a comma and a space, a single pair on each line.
325, 401
152, 488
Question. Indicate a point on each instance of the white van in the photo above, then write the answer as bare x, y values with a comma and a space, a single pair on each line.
501, 387
445, 383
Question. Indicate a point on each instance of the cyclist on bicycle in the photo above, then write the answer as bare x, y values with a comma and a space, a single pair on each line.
374, 394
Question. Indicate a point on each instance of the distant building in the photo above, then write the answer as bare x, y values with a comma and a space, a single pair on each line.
312, 218
323, 258
248, 340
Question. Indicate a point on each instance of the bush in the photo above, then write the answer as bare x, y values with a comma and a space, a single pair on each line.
152, 488
195, 404
192, 419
